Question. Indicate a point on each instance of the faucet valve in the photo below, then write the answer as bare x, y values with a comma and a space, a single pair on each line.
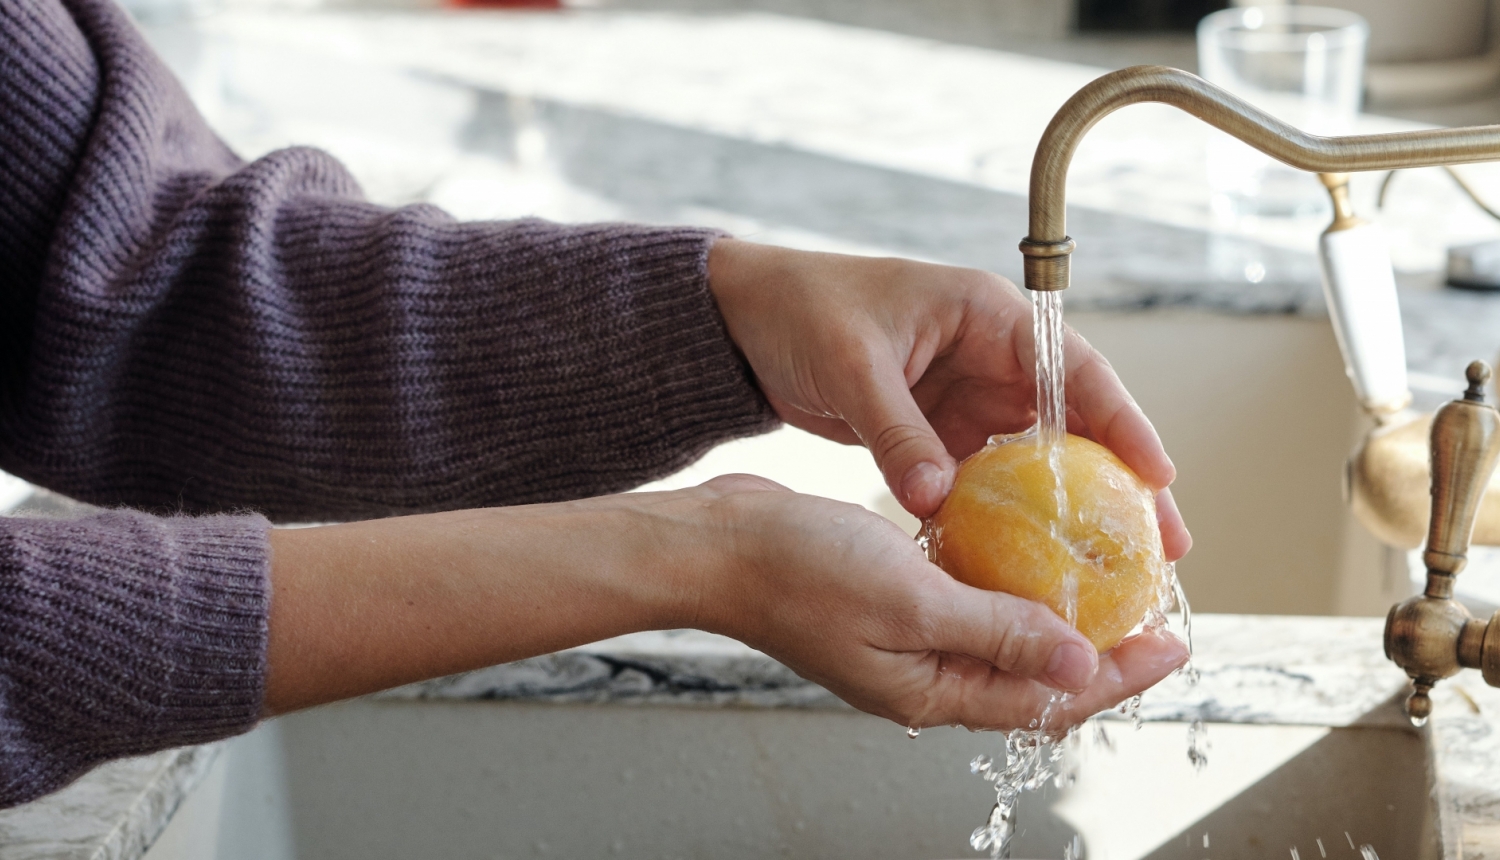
1432, 635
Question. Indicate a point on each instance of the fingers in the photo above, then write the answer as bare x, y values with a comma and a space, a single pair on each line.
1112, 416
1019, 637
1175, 539
979, 697
1130, 668
916, 465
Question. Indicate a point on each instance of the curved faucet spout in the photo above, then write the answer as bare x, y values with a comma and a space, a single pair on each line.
1047, 246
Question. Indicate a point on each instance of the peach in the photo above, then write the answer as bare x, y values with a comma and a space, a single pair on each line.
1091, 553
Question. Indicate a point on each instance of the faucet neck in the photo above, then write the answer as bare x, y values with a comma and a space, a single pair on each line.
1047, 262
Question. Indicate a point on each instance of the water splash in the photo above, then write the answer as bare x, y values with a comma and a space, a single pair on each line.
1032, 757
1188, 671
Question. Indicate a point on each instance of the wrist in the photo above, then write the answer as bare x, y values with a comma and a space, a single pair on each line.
731, 527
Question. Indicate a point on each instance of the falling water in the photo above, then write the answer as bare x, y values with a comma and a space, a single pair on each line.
1032, 756
1047, 329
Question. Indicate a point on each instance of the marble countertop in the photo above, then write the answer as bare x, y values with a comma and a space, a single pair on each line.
114, 813
1253, 669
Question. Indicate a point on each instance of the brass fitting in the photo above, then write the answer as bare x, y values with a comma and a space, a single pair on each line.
1432, 636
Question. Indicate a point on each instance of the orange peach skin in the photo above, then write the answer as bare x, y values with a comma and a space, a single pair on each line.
999, 530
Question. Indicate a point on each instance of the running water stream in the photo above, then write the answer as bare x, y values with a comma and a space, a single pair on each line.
1036, 754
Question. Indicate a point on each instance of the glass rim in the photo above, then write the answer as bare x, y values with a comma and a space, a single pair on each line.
1229, 27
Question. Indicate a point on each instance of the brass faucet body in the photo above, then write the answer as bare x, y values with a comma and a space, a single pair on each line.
1047, 247
1432, 636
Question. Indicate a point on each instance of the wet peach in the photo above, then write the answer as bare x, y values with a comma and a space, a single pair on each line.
1092, 553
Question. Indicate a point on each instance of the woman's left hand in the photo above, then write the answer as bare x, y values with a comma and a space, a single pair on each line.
920, 363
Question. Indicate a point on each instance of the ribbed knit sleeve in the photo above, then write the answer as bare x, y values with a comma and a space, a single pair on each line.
124, 633
184, 332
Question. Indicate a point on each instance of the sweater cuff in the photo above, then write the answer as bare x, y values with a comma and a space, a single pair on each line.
122, 634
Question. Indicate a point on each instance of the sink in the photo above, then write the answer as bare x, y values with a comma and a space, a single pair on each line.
378, 779
687, 745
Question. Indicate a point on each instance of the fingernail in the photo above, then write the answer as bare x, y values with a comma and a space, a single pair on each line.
926, 482
1071, 666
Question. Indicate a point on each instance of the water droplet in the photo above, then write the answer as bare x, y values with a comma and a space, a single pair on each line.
1367, 852
980, 764
1198, 745
1419, 721
1205, 840
913, 732
1295, 855
1351, 840
1322, 852
838, 521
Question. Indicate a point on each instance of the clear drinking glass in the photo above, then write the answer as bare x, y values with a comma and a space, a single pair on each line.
1302, 64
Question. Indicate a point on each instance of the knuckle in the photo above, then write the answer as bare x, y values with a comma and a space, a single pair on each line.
741, 483
1018, 644
896, 441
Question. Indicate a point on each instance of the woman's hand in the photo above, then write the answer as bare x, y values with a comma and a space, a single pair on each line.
838, 593
848, 600
921, 363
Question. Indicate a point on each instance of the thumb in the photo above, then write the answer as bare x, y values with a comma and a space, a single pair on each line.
916, 465
1015, 635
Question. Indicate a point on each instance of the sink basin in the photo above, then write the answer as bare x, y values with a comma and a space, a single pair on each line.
688, 745
382, 779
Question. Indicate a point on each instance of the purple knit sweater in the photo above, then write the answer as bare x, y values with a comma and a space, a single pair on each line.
202, 338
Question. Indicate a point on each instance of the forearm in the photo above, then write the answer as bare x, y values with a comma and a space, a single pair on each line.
365, 606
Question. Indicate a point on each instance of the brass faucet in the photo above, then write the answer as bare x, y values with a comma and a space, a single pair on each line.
1431, 636
1047, 246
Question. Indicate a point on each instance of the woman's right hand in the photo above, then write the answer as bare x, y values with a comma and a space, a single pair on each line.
846, 599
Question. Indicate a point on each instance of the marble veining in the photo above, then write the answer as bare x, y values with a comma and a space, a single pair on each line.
114, 813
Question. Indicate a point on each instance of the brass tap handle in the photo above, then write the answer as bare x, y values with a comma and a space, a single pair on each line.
1432, 635
1465, 444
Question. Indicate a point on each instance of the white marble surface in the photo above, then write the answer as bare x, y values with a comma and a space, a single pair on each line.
1253, 668
114, 813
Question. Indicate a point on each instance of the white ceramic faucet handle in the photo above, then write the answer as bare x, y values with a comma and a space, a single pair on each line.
1361, 290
